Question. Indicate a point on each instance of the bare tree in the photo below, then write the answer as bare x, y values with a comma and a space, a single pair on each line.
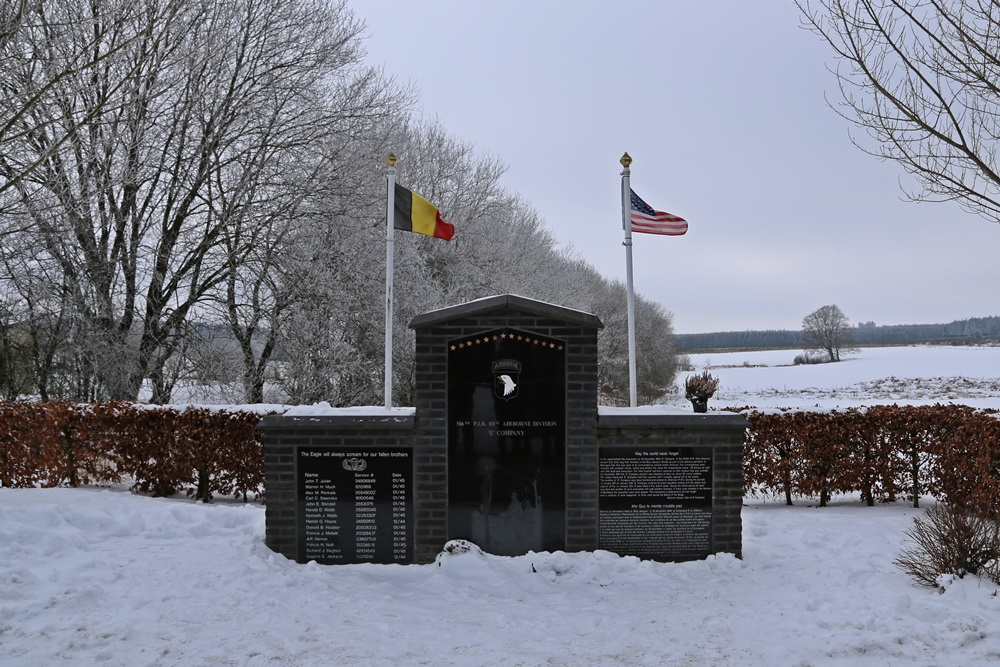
173, 142
331, 333
922, 78
44, 320
332, 337
50, 45
12, 17
15, 374
829, 330
169, 163
308, 178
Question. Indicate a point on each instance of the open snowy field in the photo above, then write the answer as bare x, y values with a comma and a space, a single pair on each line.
917, 375
104, 577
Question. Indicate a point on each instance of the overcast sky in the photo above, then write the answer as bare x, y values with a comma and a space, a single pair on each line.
722, 107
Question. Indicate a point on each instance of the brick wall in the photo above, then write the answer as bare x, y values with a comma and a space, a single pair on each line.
434, 330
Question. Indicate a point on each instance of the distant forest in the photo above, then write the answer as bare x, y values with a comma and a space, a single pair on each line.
960, 332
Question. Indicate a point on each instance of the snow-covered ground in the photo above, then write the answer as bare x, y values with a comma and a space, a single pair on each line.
104, 577
919, 375
91, 577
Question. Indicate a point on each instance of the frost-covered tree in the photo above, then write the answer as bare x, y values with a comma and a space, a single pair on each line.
313, 188
332, 348
153, 165
49, 47
197, 189
655, 353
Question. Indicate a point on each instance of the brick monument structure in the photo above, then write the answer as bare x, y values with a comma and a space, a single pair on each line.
506, 447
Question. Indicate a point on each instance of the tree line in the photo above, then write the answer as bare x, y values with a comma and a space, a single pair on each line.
193, 193
972, 330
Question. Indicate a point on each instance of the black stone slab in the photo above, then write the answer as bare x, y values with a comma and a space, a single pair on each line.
507, 441
656, 502
354, 505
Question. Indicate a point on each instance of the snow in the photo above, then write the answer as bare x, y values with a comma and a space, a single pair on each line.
605, 410
917, 375
324, 409
104, 577
91, 576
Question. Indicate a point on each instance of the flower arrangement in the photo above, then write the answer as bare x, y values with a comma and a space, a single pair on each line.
700, 387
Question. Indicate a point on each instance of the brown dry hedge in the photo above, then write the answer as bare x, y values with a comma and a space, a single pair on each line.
159, 450
885, 452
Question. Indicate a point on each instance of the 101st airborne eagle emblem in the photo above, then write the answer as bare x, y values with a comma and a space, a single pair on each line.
506, 377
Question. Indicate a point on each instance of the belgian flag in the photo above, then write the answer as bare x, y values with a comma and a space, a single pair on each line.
413, 213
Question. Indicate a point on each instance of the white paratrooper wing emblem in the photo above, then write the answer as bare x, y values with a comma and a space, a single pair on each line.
355, 464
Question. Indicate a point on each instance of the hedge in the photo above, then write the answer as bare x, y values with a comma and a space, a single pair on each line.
160, 450
951, 452
884, 452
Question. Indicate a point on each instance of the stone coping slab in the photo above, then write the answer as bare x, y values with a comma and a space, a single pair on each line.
502, 302
667, 418
343, 421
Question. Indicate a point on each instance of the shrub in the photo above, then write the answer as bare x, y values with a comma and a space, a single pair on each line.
21, 450
160, 450
951, 541
700, 387
825, 463
809, 358
771, 456
951, 452
75, 445
966, 464
150, 448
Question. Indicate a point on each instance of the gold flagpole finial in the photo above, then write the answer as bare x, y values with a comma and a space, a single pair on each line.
626, 160
391, 160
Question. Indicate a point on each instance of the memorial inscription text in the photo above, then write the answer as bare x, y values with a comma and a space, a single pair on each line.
665, 490
354, 506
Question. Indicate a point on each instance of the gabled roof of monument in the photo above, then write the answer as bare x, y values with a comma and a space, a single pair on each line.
506, 302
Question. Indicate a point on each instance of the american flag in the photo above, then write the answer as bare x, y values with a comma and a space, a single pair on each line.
648, 221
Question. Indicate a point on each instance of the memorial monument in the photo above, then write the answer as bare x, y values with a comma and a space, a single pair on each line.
507, 448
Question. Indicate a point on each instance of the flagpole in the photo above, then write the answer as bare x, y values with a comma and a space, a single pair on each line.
390, 235
626, 162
